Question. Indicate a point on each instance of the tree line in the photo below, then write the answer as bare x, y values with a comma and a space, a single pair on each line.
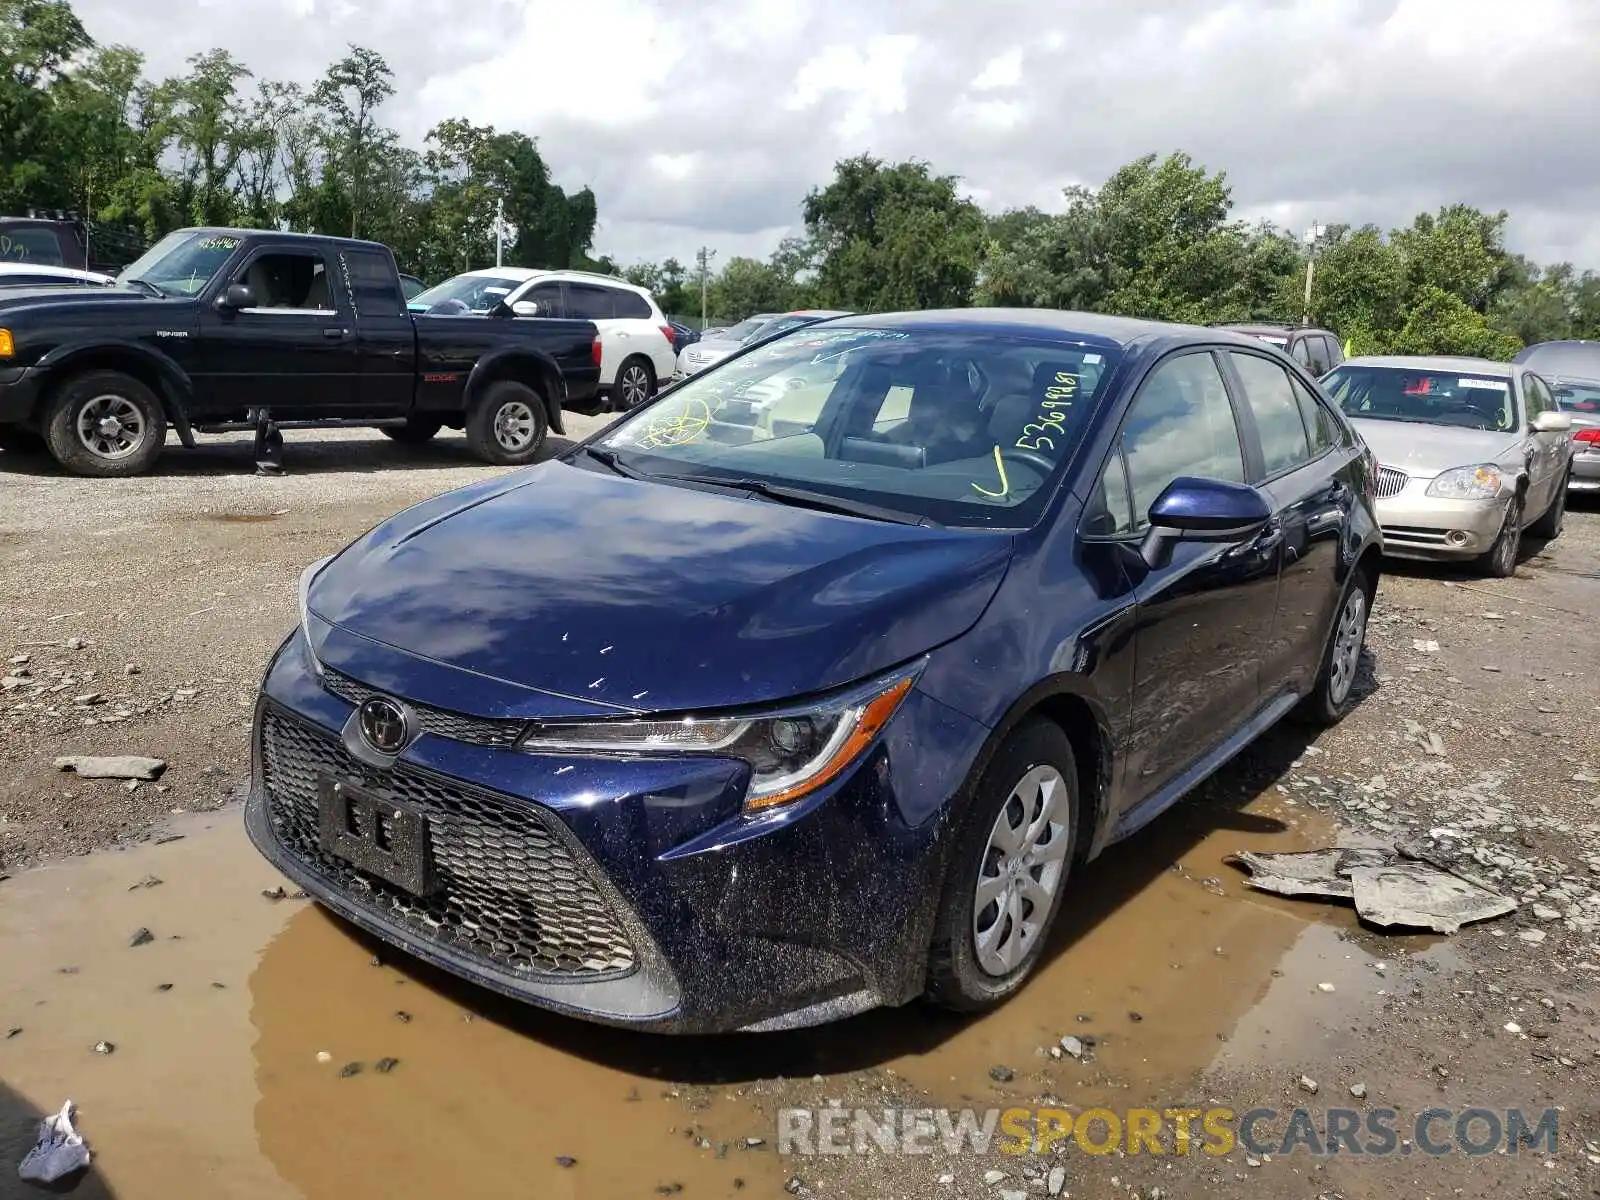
83, 130
1157, 239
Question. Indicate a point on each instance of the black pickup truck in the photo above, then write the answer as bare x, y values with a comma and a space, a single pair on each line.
220, 329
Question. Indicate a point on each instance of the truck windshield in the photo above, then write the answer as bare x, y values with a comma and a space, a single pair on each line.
182, 263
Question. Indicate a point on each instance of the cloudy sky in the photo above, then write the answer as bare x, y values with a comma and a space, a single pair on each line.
706, 123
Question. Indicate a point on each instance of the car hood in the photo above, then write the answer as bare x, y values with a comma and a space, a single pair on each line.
1422, 449
646, 596
51, 300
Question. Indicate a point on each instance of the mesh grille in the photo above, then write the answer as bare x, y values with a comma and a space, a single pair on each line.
1391, 482
480, 731
512, 893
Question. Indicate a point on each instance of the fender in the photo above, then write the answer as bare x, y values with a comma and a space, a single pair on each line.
522, 363
173, 385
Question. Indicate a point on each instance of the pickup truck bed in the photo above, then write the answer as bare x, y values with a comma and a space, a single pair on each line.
215, 327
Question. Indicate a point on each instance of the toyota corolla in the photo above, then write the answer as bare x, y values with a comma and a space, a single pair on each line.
727, 721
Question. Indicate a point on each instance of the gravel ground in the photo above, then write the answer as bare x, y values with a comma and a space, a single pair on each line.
137, 616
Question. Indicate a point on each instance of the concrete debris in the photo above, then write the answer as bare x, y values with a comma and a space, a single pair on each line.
1532, 936
1307, 1084
1072, 1046
1424, 646
1358, 1090
121, 766
1399, 888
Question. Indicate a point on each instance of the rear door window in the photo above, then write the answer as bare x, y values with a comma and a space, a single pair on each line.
1271, 397
589, 303
1317, 355
375, 284
1320, 428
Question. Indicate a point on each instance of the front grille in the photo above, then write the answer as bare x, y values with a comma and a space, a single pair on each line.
514, 892
480, 731
1415, 534
1391, 482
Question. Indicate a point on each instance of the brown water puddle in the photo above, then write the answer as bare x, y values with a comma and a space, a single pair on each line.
220, 1091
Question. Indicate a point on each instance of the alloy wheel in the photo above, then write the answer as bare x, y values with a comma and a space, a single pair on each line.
1022, 869
514, 426
634, 386
111, 427
1348, 639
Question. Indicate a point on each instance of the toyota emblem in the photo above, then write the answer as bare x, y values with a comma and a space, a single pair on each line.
384, 725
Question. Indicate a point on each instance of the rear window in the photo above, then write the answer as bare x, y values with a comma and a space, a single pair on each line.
1471, 400
40, 247
1578, 397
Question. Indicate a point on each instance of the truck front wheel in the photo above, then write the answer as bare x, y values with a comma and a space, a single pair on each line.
507, 424
105, 424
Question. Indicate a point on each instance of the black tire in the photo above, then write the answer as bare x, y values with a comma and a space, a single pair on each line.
507, 425
100, 452
415, 432
957, 979
635, 383
1501, 560
1548, 527
1333, 694
19, 439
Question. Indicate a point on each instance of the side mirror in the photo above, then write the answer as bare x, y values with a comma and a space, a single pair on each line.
526, 308
237, 295
1552, 422
1191, 509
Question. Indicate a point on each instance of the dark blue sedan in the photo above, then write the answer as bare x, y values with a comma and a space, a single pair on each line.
806, 687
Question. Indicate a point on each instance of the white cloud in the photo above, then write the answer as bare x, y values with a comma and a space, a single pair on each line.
702, 124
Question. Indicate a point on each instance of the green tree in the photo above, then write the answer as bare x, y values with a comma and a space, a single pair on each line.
1439, 322
38, 39
349, 95
207, 125
892, 237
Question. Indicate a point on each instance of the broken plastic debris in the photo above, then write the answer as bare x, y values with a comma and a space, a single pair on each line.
1388, 888
59, 1151
123, 766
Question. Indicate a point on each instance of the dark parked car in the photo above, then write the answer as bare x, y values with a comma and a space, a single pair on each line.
411, 287
1317, 350
1573, 371
682, 335
213, 328
706, 727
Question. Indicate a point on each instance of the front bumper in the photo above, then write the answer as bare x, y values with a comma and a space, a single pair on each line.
630, 892
19, 394
1417, 525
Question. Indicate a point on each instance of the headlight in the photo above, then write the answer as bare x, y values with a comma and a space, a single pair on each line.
8, 344
792, 751
1468, 483
307, 578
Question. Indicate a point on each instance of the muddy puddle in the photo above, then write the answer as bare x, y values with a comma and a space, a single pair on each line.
230, 1080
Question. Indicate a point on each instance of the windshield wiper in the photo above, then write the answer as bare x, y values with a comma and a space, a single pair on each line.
145, 283
610, 459
805, 498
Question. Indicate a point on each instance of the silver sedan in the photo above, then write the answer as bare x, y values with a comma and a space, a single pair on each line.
1471, 454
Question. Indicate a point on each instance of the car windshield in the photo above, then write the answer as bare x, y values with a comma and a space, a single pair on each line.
1578, 397
743, 330
1470, 400
480, 293
779, 325
183, 263
953, 426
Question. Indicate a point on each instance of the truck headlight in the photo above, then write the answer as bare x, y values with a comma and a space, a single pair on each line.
1468, 483
8, 344
792, 750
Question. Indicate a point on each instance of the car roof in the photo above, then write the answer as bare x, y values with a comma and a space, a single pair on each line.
559, 274
1433, 362
281, 235
1031, 322
1572, 358
1257, 328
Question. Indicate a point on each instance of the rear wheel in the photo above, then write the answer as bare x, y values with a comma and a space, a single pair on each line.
1011, 861
1333, 695
105, 423
507, 424
1548, 527
1501, 560
636, 383
415, 431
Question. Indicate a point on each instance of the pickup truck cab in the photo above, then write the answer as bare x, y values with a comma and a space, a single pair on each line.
212, 328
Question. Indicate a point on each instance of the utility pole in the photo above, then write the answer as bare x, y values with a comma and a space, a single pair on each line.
705, 256
499, 232
1312, 237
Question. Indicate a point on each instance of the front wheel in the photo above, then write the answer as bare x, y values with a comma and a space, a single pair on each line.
1501, 560
106, 424
507, 424
1011, 861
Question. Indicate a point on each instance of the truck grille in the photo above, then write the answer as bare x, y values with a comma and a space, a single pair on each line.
515, 891
480, 731
1391, 482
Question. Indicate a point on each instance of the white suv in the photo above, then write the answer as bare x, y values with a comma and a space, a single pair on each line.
636, 348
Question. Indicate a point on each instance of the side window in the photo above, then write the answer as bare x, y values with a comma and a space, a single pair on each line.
589, 303
1300, 348
1335, 354
629, 304
1109, 513
1317, 355
375, 283
1180, 424
292, 280
1283, 434
1319, 422
548, 297
1538, 396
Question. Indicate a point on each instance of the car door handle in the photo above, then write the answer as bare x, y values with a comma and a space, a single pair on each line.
334, 331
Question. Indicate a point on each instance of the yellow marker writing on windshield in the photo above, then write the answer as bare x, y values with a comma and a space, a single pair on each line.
1005, 484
